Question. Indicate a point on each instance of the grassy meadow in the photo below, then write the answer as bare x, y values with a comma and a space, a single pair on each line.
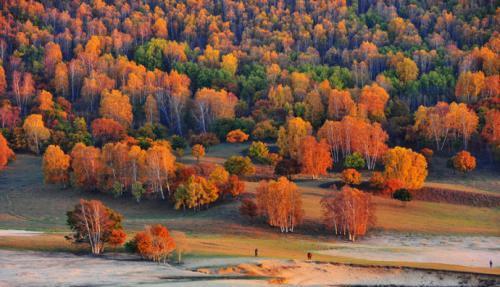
26, 203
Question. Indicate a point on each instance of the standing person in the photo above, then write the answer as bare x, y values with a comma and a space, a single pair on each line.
256, 252
491, 264
309, 256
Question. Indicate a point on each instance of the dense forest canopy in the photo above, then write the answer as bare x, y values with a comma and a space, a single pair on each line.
401, 72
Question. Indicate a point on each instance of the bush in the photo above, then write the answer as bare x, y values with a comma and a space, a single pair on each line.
377, 180
259, 152
287, 167
248, 209
402, 195
198, 151
222, 127
265, 130
351, 177
391, 185
178, 142
239, 165
204, 139
355, 161
464, 162
138, 190
236, 136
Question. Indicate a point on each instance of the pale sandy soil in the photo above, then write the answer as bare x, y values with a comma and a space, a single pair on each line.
26, 268
14, 232
300, 273
474, 251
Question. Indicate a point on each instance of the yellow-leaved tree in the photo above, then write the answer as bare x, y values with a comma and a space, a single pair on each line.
36, 132
291, 135
55, 165
407, 166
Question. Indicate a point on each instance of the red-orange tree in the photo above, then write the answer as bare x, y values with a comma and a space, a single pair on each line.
314, 157
154, 243
6, 153
348, 213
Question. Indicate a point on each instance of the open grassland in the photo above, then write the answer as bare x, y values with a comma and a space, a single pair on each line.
25, 203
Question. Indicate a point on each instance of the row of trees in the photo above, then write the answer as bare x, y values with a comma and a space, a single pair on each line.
348, 213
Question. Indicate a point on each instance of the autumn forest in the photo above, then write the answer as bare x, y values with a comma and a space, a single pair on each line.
300, 118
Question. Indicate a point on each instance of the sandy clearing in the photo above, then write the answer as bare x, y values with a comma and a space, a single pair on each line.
27, 268
300, 273
474, 251
15, 232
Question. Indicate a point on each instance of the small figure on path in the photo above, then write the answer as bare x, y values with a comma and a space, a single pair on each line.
256, 252
309, 256
491, 264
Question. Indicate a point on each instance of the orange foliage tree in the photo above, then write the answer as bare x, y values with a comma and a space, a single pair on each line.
6, 153
86, 165
406, 165
491, 129
55, 165
340, 104
105, 130
281, 203
355, 135
374, 99
314, 157
464, 161
348, 213
154, 243
116, 106
236, 136
469, 85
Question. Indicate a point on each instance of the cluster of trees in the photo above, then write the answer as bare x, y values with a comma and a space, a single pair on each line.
348, 213
124, 167
97, 225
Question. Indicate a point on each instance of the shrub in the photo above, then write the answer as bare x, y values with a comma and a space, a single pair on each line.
402, 195
391, 185
464, 162
259, 152
178, 142
265, 130
351, 176
248, 208
236, 136
239, 165
377, 180
221, 127
138, 190
204, 139
198, 151
287, 167
355, 161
